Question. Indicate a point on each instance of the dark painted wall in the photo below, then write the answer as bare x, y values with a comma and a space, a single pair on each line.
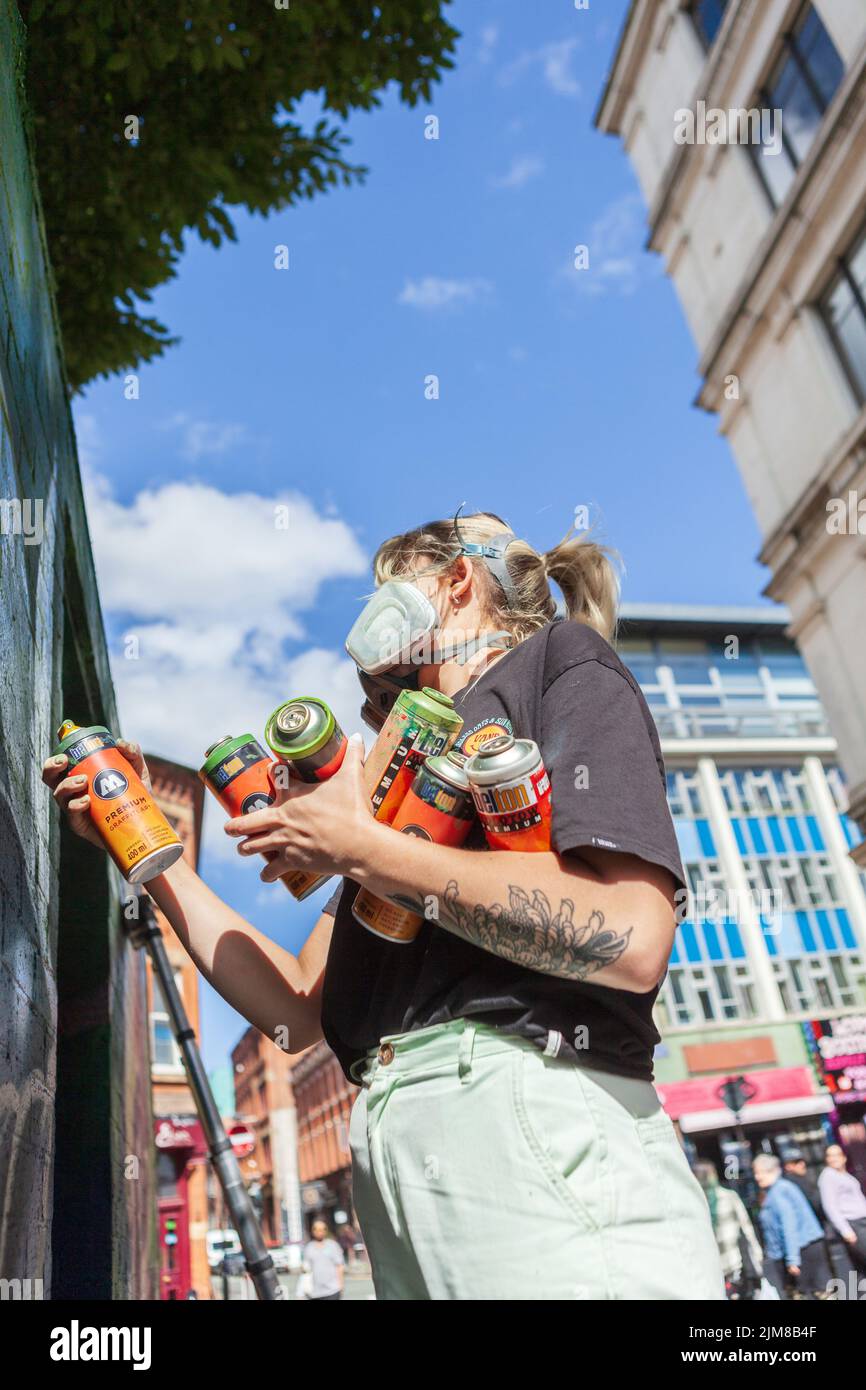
76, 1149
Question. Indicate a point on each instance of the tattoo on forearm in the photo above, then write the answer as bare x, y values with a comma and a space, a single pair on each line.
528, 933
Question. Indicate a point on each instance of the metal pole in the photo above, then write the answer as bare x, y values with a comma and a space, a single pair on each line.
260, 1266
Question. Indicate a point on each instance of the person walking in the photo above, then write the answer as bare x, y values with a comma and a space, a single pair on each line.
796, 1170
844, 1202
739, 1248
325, 1265
507, 1141
793, 1238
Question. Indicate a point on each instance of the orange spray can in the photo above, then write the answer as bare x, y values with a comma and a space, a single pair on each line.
512, 793
240, 774
438, 806
136, 833
311, 746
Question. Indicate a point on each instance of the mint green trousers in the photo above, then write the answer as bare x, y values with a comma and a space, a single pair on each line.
484, 1170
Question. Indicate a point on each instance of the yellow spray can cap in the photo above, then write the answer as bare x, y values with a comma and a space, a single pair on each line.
67, 727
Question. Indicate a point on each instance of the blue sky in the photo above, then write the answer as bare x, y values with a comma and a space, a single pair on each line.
306, 387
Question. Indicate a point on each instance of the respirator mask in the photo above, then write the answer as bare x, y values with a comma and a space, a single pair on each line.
398, 631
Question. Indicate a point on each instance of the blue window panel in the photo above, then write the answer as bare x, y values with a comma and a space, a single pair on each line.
776, 835
827, 934
675, 953
783, 934
796, 833
771, 935
807, 936
740, 838
706, 838
734, 940
844, 925
691, 943
852, 831
757, 834
815, 833
688, 840
713, 944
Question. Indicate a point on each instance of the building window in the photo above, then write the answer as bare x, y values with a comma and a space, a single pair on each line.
165, 1051
801, 86
844, 311
708, 16
709, 979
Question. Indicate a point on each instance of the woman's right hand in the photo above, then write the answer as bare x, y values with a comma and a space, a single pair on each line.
70, 793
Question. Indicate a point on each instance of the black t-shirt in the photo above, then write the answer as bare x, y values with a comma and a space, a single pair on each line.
565, 688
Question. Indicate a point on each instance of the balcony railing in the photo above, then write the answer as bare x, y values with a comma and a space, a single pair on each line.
746, 722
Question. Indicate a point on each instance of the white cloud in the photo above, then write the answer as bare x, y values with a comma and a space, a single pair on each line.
554, 61
206, 438
210, 590
489, 40
616, 250
521, 171
433, 293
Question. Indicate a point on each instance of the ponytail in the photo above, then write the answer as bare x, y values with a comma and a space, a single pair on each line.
585, 572
587, 575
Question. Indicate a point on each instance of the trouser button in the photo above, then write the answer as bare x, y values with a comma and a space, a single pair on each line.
386, 1054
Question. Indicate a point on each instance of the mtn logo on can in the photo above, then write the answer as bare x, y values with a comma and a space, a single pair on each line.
109, 783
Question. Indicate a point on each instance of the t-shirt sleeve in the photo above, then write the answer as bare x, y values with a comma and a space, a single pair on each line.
334, 900
607, 785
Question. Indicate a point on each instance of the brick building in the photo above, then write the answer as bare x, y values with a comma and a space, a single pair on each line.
265, 1103
76, 1143
323, 1098
182, 1177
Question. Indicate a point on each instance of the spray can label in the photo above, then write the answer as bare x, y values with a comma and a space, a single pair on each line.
516, 813
434, 808
133, 828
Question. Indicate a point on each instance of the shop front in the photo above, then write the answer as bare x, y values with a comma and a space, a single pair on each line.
783, 1108
181, 1153
837, 1047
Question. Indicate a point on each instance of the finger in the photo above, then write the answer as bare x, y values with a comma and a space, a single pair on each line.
274, 870
54, 768
260, 844
70, 787
81, 803
256, 823
354, 755
133, 754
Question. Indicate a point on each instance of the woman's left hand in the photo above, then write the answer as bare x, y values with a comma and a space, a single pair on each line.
318, 827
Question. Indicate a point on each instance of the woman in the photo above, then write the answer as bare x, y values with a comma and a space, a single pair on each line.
844, 1202
507, 1141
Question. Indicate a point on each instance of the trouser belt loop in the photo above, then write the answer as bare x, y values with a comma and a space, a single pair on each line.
464, 1053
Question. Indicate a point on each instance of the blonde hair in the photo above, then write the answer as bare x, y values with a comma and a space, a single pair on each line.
585, 571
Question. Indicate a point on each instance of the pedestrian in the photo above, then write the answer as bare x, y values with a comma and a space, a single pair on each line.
796, 1257
507, 1140
325, 1265
796, 1170
844, 1202
739, 1248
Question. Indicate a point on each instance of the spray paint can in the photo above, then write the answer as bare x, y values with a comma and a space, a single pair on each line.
421, 724
135, 832
438, 806
309, 743
304, 735
512, 793
238, 772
